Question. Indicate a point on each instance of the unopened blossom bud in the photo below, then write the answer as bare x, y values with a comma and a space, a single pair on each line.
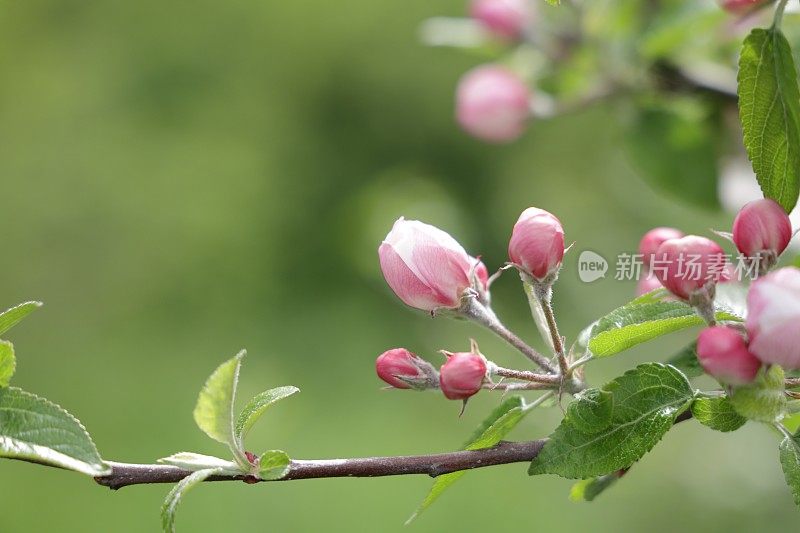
403, 370
492, 103
689, 265
773, 317
741, 7
506, 19
537, 243
425, 266
462, 375
723, 354
762, 230
654, 238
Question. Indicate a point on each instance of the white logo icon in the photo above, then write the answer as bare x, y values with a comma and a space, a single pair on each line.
591, 266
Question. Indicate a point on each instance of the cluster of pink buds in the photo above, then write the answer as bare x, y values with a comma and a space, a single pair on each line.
773, 336
429, 270
648, 247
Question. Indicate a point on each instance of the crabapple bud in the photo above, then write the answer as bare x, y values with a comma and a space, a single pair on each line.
740, 7
506, 19
723, 354
404, 370
492, 103
425, 267
537, 243
687, 265
762, 227
462, 375
773, 317
651, 240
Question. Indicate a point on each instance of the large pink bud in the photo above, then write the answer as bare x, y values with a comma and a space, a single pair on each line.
537, 243
762, 226
773, 317
689, 264
724, 355
404, 370
424, 266
654, 238
506, 19
492, 103
462, 375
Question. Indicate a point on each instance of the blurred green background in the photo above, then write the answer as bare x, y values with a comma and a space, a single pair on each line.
184, 179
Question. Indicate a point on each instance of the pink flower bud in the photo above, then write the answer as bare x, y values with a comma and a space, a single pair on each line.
506, 19
689, 264
424, 266
651, 240
647, 283
724, 355
740, 7
403, 370
492, 103
462, 375
537, 243
773, 317
762, 226
481, 272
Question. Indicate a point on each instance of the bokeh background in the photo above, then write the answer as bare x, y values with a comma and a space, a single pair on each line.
184, 179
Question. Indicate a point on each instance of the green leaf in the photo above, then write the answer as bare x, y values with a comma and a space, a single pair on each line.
37, 430
196, 461
686, 361
256, 407
8, 363
790, 462
764, 398
769, 109
214, 411
717, 413
592, 412
496, 426
642, 320
588, 489
273, 464
11, 317
174, 497
645, 403
671, 144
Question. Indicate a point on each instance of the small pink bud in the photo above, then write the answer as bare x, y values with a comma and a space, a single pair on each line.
689, 264
506, 19
762, 226
537, 243
462, 375
492, 103
724, 355
741, 7
773, 317
651, 240
481, 273
403, 370
647, 283
424, 266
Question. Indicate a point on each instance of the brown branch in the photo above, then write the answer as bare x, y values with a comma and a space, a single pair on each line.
124, 474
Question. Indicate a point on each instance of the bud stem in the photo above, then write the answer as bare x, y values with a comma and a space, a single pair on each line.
541, 294
524, 375
471, 308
